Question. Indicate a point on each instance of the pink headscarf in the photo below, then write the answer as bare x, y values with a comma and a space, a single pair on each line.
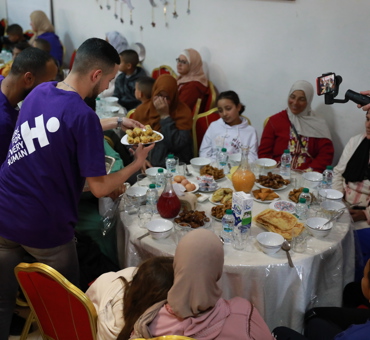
198, 265
196, 72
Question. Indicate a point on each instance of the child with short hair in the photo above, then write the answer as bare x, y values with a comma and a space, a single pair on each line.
42, 44
125, 83
143, 88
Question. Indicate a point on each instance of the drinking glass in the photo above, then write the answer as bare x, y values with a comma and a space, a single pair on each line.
181, 168
299, 240
145, 215
143, 180
239, 237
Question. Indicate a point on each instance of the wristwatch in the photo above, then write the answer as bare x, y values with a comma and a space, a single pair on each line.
119, 122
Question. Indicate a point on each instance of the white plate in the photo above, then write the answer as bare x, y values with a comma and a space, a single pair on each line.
265, 201
124, 139
220, 179
216, 219
261, 186
215, 203
283, 206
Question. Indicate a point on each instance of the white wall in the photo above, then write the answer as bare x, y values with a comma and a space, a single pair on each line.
256, 47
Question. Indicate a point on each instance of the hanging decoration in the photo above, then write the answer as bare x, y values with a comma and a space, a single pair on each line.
108, 5
188, 11
153, 22
131, 21
115, 9
175, 15
165, 15
152, 3
121, 12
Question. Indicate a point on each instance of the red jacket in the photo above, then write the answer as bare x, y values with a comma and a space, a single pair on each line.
278, 136
191, 91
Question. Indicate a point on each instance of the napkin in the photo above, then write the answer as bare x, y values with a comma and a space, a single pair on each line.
179, 189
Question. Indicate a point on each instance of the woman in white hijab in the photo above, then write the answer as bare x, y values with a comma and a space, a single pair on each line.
298, 129
120, 43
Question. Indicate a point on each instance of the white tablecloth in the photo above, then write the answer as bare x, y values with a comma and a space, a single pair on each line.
281, 294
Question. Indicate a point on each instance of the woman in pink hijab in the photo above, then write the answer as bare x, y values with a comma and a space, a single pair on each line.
194, 305
192, 82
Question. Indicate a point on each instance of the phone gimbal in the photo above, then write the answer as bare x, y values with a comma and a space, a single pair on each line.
356, 97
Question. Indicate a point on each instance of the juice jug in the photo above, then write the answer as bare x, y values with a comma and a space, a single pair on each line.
243, 178
169, 204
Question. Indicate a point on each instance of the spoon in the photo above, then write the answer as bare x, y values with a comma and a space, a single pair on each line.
221, 239
188, 173
286, 247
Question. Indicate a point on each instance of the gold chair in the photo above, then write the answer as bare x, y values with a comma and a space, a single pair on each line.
211, 97
196, 108
130, 114
169, 337
62, 311
163, 69
248, 120
200, 126
265, 121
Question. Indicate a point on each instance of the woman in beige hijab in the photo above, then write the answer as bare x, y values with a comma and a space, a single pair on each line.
43, 29
194, 305
298, 129
192, 82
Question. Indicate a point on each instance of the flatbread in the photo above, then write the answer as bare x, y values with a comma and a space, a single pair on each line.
280, 222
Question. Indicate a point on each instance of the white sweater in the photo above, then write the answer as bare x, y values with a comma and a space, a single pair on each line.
220, 135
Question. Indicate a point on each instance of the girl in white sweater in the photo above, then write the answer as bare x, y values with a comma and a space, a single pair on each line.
231, 131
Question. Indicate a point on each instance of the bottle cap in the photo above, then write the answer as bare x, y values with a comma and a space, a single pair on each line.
306, 190
223, 150
170, 155
160, 170
97, 98
329, 167
152, 186
287, 151
229, 212
302, 200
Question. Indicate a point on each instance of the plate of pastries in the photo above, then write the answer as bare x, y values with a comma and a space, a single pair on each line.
265, 195
221, 196
144, 136
280, 222
272, 181
217, 174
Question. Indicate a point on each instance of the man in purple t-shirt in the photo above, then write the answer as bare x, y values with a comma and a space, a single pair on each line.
30, 68
57, 144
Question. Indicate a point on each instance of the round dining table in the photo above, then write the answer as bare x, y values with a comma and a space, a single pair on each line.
282, 294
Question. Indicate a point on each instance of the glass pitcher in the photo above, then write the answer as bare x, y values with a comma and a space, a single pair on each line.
243, 178
169, 204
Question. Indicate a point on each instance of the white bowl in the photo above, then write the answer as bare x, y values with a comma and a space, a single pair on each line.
331, 194
314, 225
152, 172
331, 207
112, 109
235, 158
111, 100
137, 193
311, 179
269, 242
266, 163
199, 162
159, 228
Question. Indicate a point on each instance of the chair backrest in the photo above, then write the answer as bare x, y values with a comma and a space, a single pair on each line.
211, 97
163, 69
265, 121
71, 61
62, 310
169, 337
196, 108
248, 120
130, 114
200, 126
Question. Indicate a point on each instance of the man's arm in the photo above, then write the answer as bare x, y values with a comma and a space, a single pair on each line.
103, 185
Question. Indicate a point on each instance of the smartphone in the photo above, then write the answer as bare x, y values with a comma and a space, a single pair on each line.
325, 84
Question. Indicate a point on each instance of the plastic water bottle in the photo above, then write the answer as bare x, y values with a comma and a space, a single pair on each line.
159, 179
171, 164
286, 159
98, 106
301, 209
222, 158
327, 176
228, 222
152, 199
306, 195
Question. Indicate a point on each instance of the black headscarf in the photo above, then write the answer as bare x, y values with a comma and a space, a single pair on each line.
357, 168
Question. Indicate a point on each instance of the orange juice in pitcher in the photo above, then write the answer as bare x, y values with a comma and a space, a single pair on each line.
243, 178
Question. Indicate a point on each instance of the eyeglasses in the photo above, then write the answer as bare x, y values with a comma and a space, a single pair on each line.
180, 61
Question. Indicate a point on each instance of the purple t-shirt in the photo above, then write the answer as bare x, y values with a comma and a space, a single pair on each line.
57, 142
8, 118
